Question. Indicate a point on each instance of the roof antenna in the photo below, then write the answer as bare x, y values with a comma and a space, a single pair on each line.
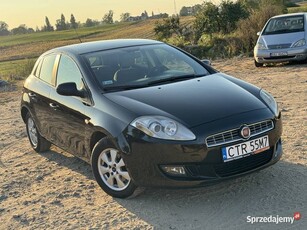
79, 38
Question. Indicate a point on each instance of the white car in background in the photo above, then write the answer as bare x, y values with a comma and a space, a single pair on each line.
282, 39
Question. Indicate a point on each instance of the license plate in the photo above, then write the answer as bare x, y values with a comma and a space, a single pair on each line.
244, 149
278, 54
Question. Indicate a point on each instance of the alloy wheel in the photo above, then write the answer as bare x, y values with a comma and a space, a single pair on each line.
112, 170
32, 131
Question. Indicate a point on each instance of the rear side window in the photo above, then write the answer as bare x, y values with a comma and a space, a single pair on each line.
37, 67
46, 71
68, 71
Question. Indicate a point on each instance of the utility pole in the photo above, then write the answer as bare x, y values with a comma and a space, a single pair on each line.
175, 7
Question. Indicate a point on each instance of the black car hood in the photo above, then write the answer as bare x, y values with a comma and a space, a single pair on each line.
191, 102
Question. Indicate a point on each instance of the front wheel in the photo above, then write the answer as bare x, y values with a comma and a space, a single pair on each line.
38, 143
110, 170
257, 64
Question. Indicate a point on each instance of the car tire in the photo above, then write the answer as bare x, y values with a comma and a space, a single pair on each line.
110, 170
257, 64
38, 143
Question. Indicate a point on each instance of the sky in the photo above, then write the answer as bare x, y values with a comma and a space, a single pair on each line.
33, 12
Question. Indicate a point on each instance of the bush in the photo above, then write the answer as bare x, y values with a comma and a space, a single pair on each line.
216, 46
248, 28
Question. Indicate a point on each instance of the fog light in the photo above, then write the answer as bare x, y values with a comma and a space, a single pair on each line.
174, 170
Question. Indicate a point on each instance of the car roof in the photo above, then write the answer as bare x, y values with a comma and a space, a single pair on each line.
88, 47
289, 15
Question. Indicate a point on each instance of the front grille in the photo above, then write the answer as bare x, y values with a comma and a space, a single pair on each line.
243, 164
233, 135
280, 46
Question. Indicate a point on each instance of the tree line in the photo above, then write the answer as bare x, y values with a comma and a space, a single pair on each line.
63, 24
60, 24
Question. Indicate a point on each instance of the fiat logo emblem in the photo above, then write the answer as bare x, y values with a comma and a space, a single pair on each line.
245, 132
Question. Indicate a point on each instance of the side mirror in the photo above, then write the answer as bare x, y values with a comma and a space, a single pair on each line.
206, 61
69, 89
258, 33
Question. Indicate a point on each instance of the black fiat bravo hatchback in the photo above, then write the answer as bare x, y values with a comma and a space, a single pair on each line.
144, 113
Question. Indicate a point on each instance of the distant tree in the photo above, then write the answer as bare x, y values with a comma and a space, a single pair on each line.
22, 29
196, 8
152, 14
207, 20
31, 30
90, 22
145, 14
168, 27
47, 26
73, 23
219, 18
184, 11
108, 17
4, 29
124, 16
229, 14
61, 23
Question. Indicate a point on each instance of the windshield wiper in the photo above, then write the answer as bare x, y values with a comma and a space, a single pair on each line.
173, 79
154, 82
122, 87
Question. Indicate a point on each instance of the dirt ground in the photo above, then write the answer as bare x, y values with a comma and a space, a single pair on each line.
55, 190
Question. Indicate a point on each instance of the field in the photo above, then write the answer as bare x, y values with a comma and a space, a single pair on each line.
16, 47
55, 190
15, 50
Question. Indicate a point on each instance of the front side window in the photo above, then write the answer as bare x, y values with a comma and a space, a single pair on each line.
46, 71
289, 24
142, 66
68, 71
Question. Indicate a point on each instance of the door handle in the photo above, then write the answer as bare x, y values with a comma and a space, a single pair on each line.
53, 105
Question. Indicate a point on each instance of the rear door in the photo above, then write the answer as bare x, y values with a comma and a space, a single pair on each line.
38, 90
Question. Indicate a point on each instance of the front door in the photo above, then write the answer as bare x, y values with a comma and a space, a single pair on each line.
68, 119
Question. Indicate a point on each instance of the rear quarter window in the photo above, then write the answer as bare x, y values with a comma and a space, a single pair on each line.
47, 67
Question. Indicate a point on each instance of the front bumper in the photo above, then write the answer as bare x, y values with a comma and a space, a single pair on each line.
203, 165
293, 54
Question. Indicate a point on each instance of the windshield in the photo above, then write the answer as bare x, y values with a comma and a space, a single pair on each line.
142, 66
289, 24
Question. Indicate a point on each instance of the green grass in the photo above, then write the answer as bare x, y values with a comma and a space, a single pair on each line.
16, 70
302, 8
12, 40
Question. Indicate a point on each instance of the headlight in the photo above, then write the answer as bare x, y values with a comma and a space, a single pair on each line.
270, 101
261, 46
163, 128
299, 43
